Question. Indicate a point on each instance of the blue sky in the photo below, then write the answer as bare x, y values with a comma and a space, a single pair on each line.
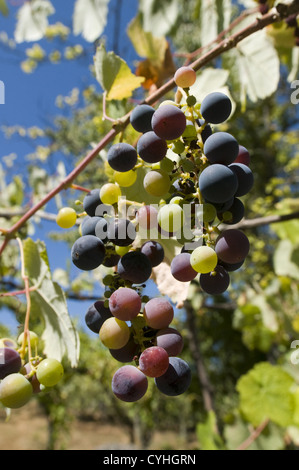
30, 99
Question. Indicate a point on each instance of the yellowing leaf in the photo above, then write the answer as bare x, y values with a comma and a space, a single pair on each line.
114, 75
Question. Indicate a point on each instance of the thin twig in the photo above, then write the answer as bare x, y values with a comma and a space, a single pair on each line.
260, 23
254, 435
26, 339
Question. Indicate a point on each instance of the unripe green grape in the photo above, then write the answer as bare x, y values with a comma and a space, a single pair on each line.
191, 100
121, 250
125, 179
8, 343
176, 200
156, 183
15, 391
66, 217
209, 212
32, 337
185, 77
49, 372
203, 259
109, 193
114, 333
171, 217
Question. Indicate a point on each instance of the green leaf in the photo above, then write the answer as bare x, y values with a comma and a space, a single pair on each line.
4, 8
114, 75
266, 393
256, 65
159, 17
207, 435
90, 18
285, 260
145, 43
33, 20
48, 300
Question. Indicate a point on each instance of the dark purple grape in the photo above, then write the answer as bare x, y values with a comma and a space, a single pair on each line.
122, 157
181, 268
221, 147
91, 201
154, 361
206, 132
101, 229
88, 226
234, 214
168, 122
171, 340
121, 232
10, 362
154, 251
243, 156
125, 303
88, 252
135, 267
216, 107
95, 316
218, 183
110, 260
232, 246
151, 148
176, 379
141, 118
158, 313
231, 267
245, 178
129, 384
126, 353
216, 282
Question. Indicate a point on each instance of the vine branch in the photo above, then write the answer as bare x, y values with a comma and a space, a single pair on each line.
277, 14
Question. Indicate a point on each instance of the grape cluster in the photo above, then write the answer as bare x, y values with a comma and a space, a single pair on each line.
20, 376
199, 175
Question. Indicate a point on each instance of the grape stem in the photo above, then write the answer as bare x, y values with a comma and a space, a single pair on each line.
275, 15
28, 302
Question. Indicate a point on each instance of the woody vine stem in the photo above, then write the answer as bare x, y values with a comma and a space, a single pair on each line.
275, 15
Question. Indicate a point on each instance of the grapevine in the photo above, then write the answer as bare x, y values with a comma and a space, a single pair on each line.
198, 174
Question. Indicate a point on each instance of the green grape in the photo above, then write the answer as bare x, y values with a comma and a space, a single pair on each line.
114, 333
15, 391
66, 217
209, 212
49, 372
191, 101
121, 250
171, 218
203, 259
125, 179
32, 337
176, 200
110, 193
8, 343
156, 183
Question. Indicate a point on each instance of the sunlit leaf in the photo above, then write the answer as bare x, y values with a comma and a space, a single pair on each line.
49, 303
90, 18
266, 393
33, 20
114, 75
